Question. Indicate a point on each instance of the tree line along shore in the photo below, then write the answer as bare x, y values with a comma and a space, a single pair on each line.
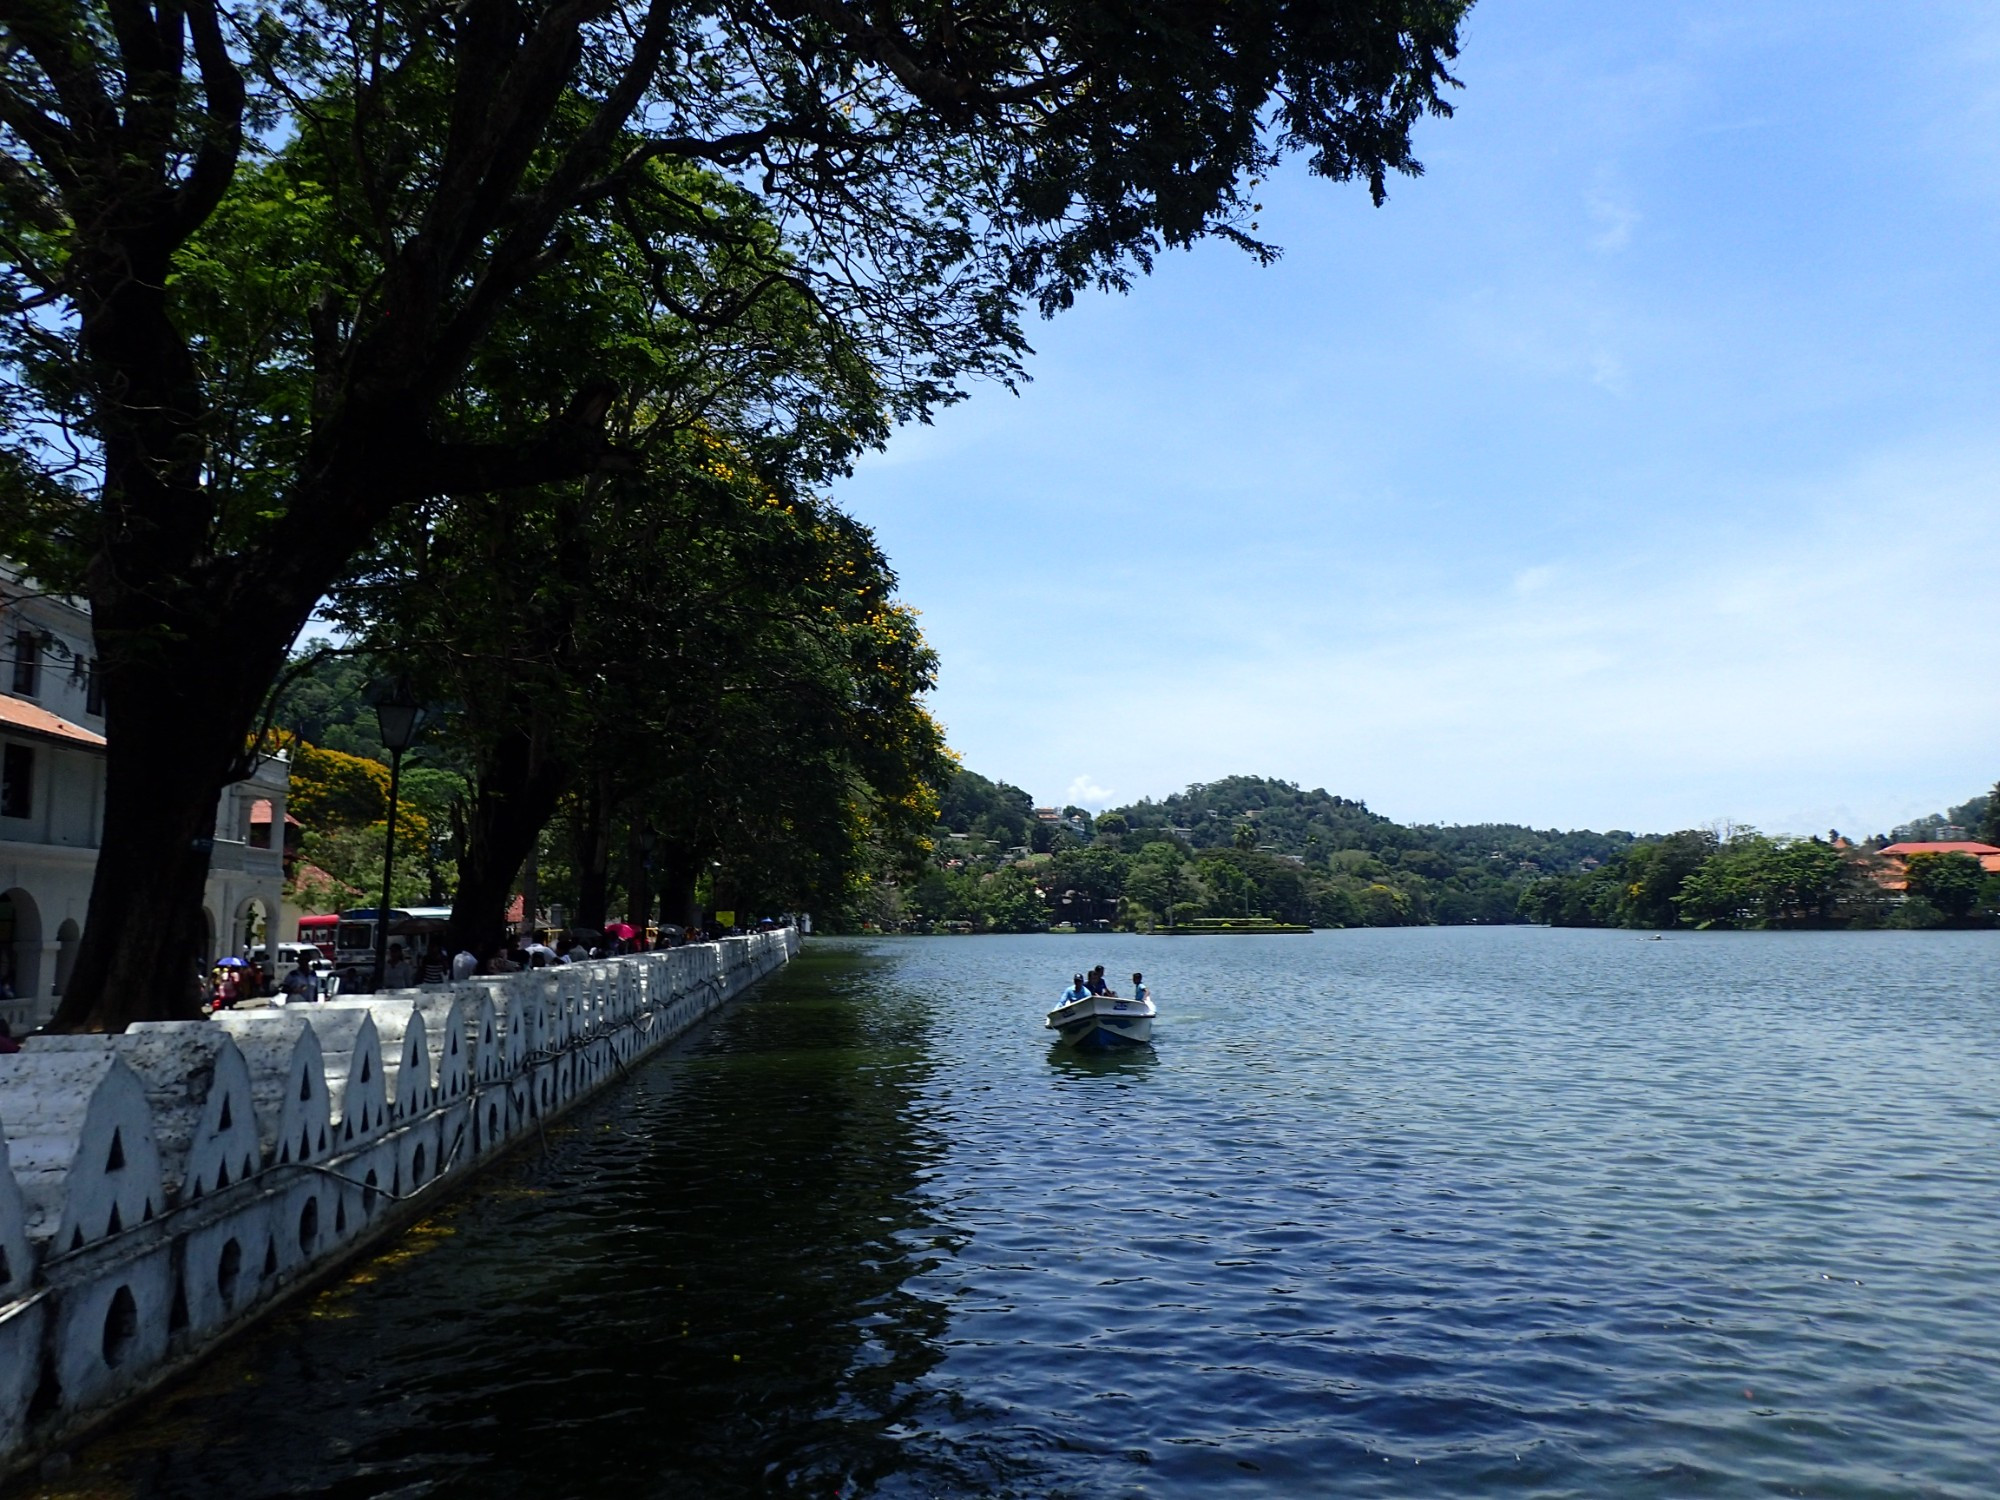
1249, 847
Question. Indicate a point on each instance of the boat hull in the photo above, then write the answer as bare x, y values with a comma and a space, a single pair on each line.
1101, 1023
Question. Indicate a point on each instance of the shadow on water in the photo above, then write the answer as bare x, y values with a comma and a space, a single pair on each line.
699, 1289
1122, 1062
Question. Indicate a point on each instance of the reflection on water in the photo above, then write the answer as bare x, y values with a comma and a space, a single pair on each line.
1121, 1062
1496, 1211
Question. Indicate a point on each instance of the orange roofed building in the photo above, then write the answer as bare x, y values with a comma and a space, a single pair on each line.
1987, 855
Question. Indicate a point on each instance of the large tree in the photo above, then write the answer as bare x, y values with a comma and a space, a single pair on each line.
933, 164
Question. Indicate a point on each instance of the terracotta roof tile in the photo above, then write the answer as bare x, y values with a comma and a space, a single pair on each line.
31, 718
260, 812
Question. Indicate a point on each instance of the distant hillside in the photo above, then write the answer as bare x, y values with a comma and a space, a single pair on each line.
1246, 846
1287, 820
1249, 846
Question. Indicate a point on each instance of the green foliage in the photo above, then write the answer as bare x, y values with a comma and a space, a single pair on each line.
324, 701
1753, 881
1989, 818
1949, 882
991, 811
353, 858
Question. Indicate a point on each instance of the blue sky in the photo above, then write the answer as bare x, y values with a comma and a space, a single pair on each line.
1635, 467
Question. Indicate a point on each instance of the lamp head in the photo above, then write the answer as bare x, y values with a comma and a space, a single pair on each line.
398, 715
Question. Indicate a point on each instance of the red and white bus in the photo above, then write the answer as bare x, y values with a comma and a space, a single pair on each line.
320, 932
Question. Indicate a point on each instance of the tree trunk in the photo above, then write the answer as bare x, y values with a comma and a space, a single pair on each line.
679, 867
183, 682
142, 953
518, 786
638, 881
593, 855
531, 888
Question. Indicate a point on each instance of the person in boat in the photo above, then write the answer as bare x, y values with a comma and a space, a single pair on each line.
1096, 981
1139, 990
1077, 991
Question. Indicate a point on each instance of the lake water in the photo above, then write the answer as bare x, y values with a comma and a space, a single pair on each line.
1433, 1211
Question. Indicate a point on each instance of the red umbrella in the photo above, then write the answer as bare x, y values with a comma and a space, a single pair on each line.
620, 930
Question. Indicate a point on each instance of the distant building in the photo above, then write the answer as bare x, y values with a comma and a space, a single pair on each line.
1987, 854
52, 807
1928, 833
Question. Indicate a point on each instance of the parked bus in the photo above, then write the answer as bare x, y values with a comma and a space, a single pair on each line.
354, 937
320, 932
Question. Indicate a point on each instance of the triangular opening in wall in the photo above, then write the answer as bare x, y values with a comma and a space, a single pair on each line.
6, 1271
226, 1120
322, 1140
270, 1257
305, 1142
114, 1160
177, 1317
365, 1074
221, 1177
305, 1087
76, 1238
116, 1223
340, 1217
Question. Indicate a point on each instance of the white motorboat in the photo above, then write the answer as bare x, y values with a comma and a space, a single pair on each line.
1103, 1021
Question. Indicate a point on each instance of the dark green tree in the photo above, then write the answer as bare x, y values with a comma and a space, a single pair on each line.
1950, 882
1989, 818
1753, 881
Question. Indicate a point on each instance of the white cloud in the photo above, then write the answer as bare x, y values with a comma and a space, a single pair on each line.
1086, 793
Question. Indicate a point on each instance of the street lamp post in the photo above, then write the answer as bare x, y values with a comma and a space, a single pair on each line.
397, 714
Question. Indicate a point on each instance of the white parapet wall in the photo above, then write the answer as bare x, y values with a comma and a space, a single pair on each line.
160, 1189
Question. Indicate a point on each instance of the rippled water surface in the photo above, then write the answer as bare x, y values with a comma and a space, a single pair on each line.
1460, 1211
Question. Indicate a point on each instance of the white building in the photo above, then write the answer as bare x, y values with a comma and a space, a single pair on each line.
52, 807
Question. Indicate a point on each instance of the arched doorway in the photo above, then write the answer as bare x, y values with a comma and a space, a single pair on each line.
21, 943
67, 937
209, 955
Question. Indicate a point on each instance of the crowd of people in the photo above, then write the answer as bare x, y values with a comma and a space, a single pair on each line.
233, 981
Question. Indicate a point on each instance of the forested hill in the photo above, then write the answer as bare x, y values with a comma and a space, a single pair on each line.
1249, 847
1243, 846
1288, 820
